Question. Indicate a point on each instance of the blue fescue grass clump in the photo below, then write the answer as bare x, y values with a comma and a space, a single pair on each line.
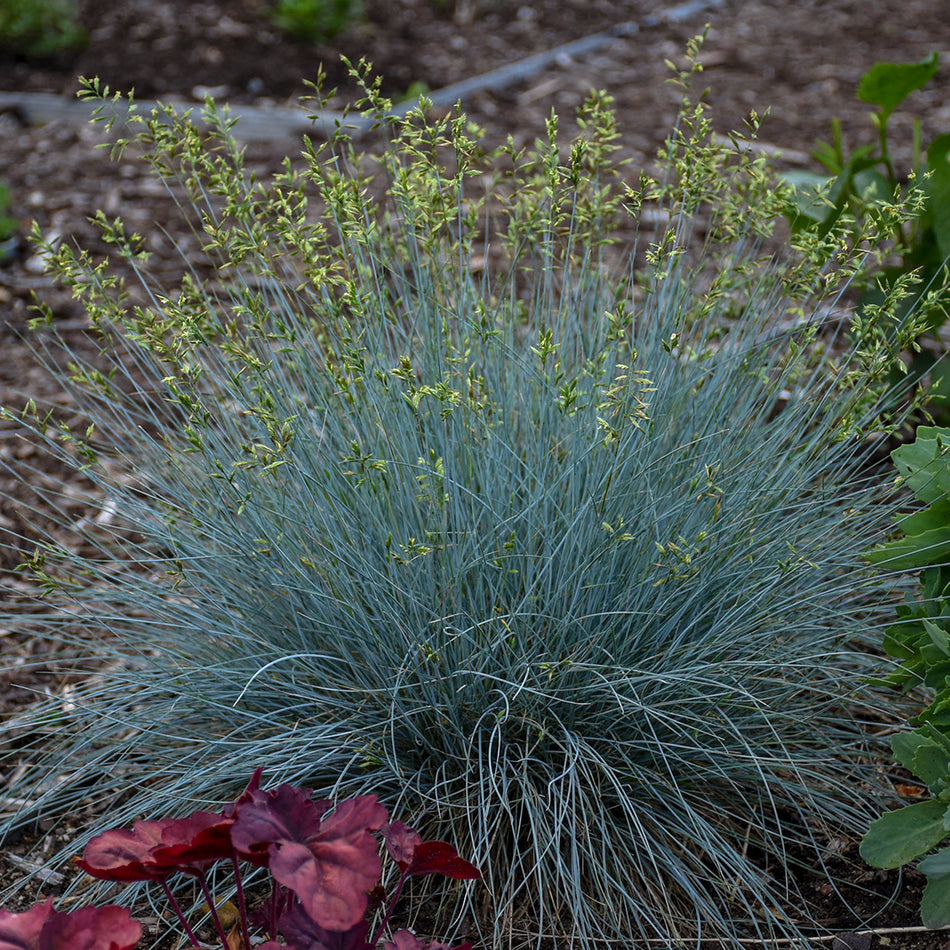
561, 560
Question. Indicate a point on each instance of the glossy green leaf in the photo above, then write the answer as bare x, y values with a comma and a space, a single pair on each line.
935, 902
925, 464
931, 765
902, 835
938, 637
936, 865
912, 553
921, 755
938, 187
888, 84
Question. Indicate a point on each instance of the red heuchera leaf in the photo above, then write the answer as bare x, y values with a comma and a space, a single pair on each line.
415, 856
90, 928
254, 785
283, 814
306, 934
376, 897
401, 842
18, 931
153, 850
404, 940
123, 855
407, 940
329, 863
440, 857
202, 836
194, 841
346, 863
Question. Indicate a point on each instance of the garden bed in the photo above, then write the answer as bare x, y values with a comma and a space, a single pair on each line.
801, 60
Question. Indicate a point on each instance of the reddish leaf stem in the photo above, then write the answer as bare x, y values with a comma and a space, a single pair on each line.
209, 900
392, 905
178, 912
242, 903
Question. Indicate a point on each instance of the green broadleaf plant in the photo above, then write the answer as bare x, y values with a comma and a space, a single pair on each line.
888, 84
562, 554
316, 21
863, 182
8, 223
920, 641
40, 28
901, 836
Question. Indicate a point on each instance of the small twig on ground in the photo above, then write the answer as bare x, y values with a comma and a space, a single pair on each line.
806, 941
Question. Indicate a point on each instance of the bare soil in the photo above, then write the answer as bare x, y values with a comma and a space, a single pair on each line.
801, 59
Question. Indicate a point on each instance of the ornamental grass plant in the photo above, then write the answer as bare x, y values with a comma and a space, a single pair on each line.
559, 557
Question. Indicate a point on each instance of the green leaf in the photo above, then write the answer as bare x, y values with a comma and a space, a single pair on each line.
905, 746
931, 764
934, 517
810, 195
902, 644
936, 865
908, 554
888, 84
938, 188
937, 736
938, 636
925, 467
924, 463
937, 714
923, 756
872, 187
935, 902
820, 200
935, 673
904, 834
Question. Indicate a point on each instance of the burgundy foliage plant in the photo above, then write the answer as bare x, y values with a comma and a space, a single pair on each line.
324, 862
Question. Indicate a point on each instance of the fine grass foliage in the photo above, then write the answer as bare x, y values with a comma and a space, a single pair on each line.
422, 493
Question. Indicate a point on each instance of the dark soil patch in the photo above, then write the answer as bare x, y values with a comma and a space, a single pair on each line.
173, 46
802, 59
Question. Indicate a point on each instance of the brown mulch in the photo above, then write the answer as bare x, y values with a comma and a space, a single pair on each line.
800, 59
